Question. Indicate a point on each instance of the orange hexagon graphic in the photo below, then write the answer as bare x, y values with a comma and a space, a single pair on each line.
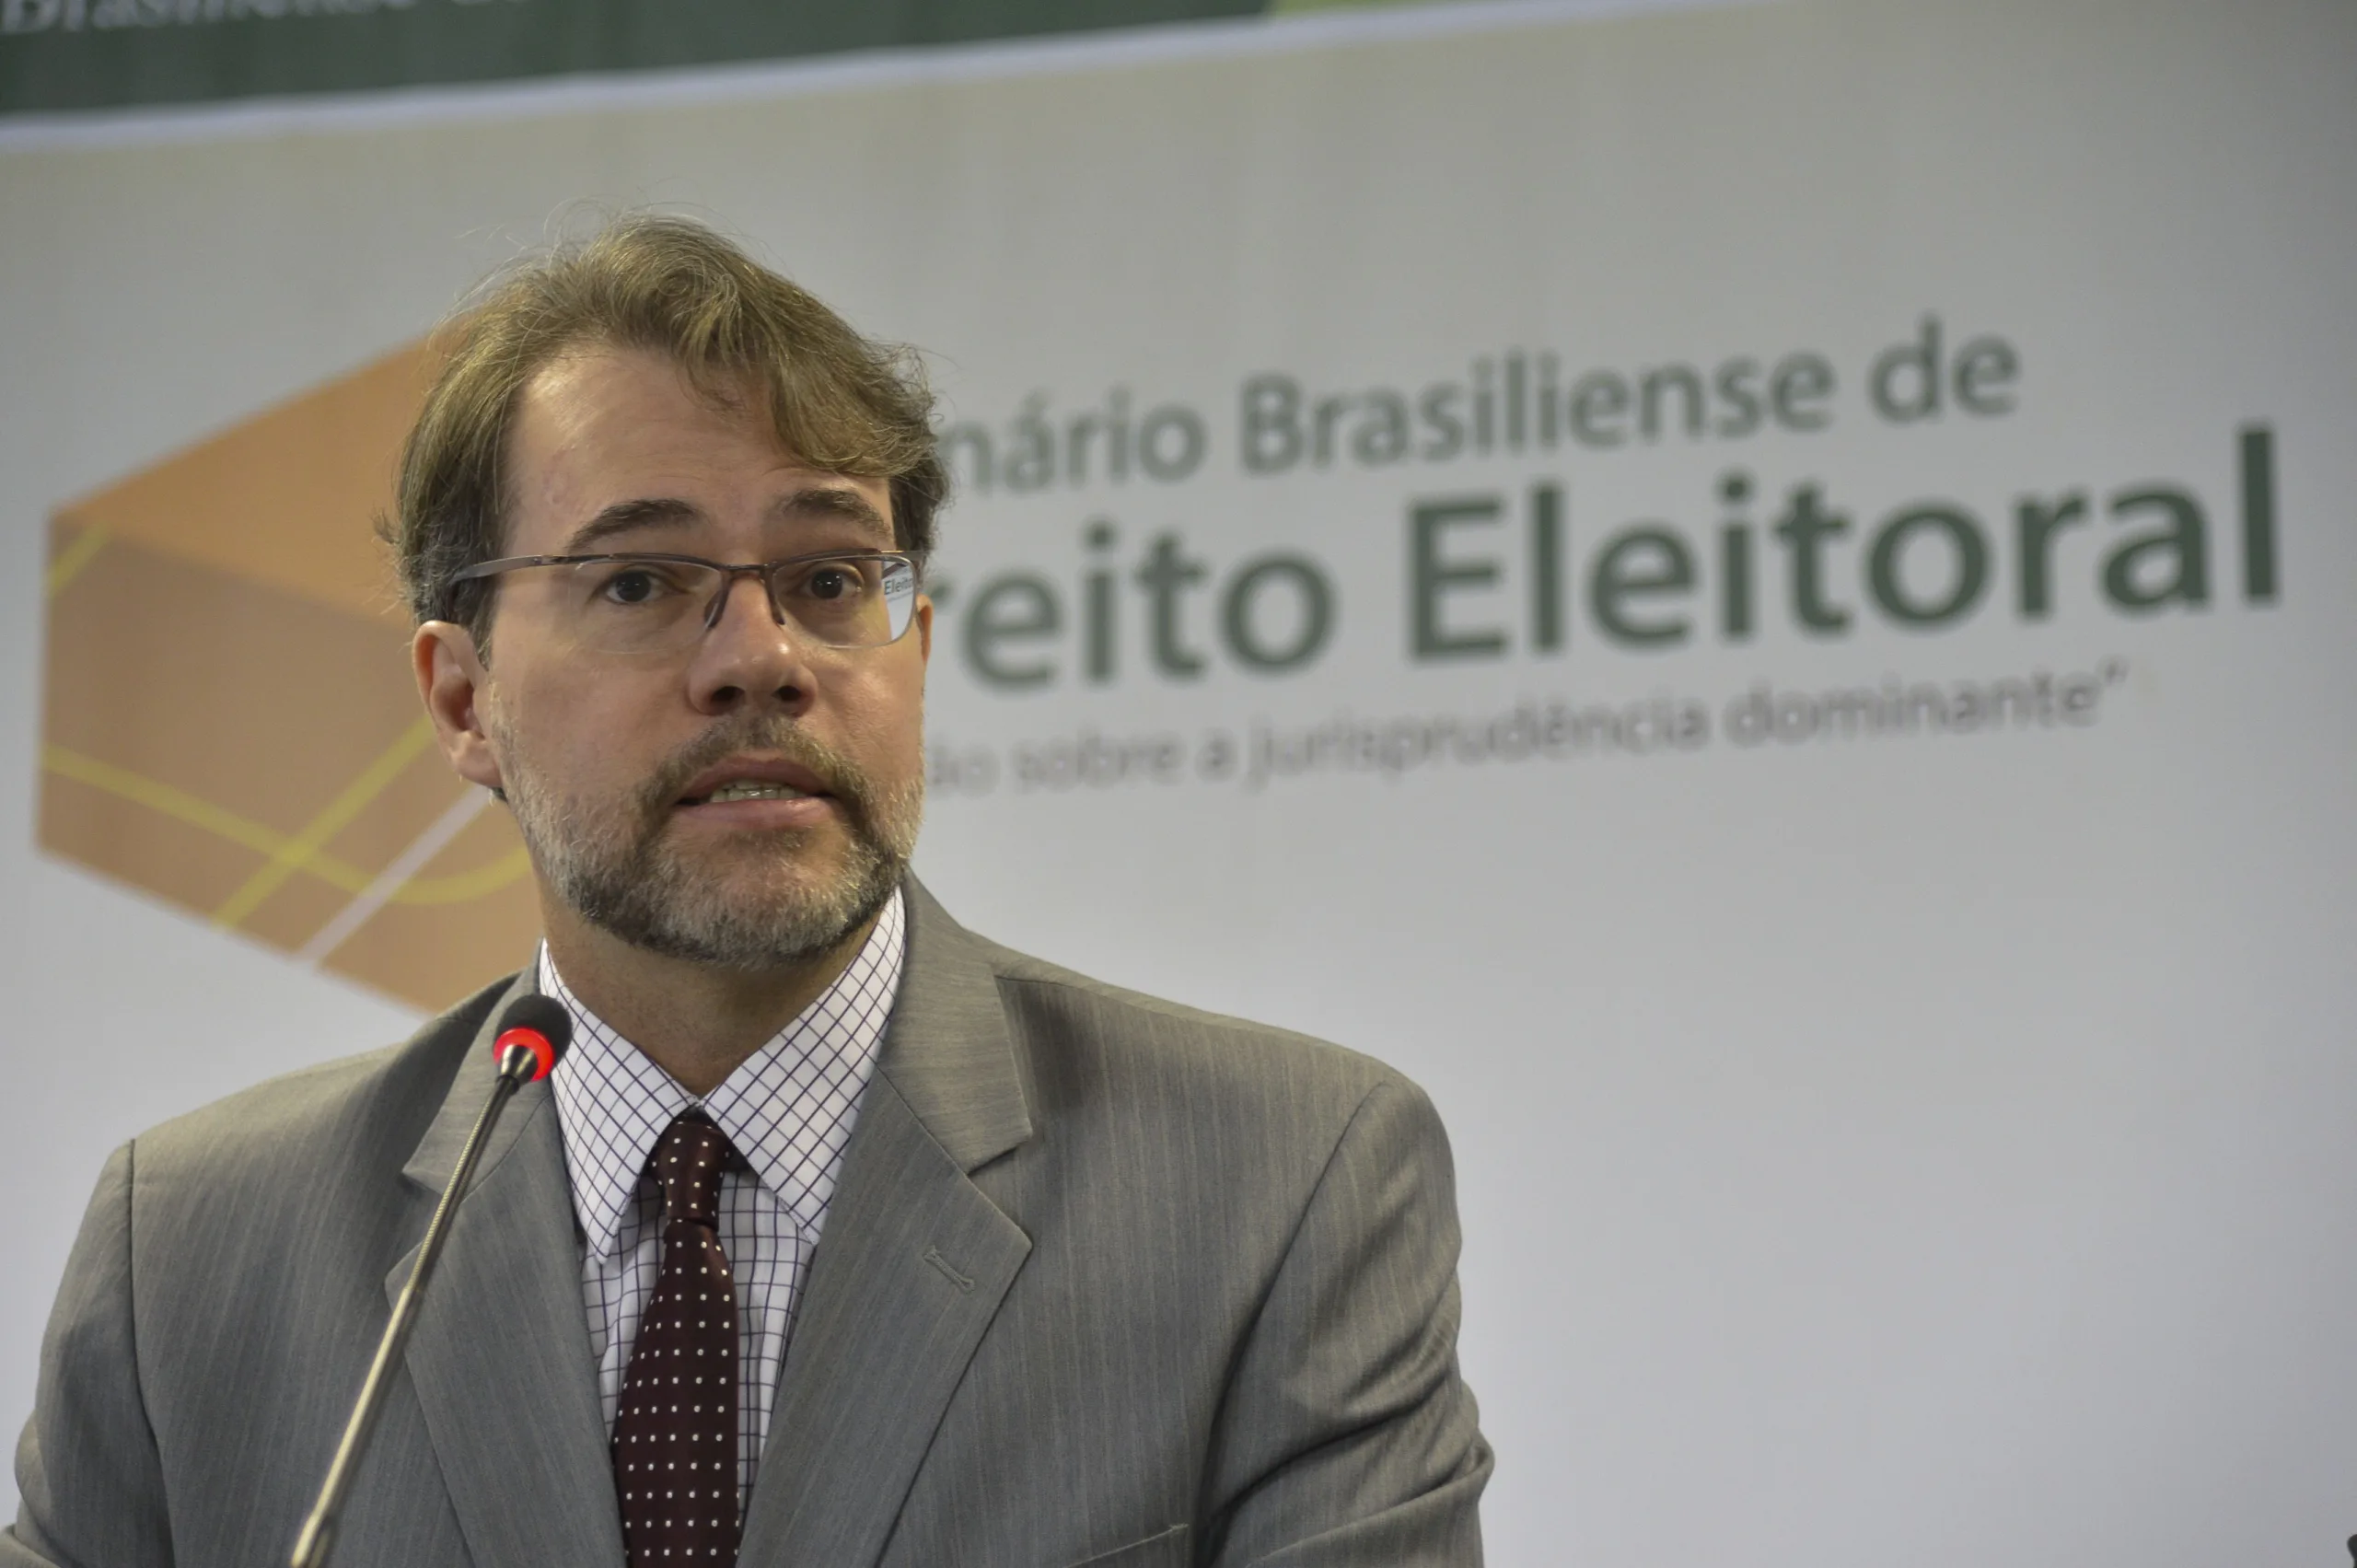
230, 721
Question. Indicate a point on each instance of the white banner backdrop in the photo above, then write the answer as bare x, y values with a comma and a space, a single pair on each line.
1756, 595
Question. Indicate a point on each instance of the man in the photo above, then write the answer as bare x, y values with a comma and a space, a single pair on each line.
841, 1236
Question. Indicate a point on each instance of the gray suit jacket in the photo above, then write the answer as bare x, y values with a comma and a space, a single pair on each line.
1105, 1281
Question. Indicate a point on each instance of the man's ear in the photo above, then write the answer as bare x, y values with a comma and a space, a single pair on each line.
924, 628
450, 679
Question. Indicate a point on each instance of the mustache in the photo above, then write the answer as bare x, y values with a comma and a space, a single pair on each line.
777, 736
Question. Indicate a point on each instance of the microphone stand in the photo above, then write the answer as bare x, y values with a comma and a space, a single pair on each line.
517, 1067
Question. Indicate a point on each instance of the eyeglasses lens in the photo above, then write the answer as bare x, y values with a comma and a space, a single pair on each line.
647, 607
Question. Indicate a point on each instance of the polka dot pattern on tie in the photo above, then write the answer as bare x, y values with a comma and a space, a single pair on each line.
675, 1434
789, 1109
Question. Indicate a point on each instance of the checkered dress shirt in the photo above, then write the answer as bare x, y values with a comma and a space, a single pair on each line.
788, 1109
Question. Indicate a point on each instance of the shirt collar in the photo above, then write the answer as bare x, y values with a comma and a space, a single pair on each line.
788, 1107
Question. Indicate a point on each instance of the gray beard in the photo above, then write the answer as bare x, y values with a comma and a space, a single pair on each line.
613, 867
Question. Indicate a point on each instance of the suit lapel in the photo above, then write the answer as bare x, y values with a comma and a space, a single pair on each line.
911, 1269
501, 1355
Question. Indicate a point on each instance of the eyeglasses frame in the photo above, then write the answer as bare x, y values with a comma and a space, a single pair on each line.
765, 570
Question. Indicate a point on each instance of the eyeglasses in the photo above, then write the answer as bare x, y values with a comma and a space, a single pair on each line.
645, 603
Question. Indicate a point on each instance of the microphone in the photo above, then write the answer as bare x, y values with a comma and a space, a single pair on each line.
532, 1035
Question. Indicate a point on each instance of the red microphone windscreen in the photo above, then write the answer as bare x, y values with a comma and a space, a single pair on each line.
539, 1024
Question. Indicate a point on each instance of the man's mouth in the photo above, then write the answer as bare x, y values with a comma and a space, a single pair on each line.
753, 778
749, 789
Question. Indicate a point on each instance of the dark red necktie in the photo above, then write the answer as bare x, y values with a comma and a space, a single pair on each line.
675, 1431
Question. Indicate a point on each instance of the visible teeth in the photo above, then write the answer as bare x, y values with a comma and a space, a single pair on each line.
749, 790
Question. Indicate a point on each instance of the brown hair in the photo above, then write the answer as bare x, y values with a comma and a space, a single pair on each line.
838, 401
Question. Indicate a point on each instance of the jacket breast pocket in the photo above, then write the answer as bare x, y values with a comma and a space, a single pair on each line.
1165, 1549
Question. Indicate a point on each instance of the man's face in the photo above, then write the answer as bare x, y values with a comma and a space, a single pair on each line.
611, 760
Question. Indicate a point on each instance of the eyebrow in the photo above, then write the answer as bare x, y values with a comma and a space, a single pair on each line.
628, 516
837, 501
656, 512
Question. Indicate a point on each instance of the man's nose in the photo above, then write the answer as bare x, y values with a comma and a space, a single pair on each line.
749, 659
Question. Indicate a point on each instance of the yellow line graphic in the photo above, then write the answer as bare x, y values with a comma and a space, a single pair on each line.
346, 921
453, 888
465, 887
297, 851
456, 888
73, 557
181, 806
